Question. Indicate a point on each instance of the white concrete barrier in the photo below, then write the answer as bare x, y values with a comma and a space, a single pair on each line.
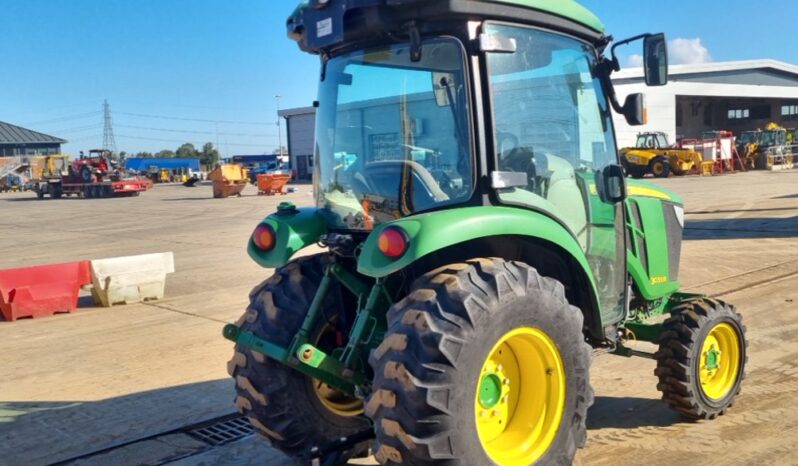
130, 279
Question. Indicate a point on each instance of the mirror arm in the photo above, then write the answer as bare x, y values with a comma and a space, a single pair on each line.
606, 67
616, 63
415, 42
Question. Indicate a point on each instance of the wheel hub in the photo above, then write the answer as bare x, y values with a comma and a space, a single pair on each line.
490, 390
712, 357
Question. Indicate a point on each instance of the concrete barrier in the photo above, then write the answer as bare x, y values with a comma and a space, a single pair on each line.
42, 290
131, 279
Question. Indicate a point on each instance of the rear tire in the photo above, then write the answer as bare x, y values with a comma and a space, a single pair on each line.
688, 380
437, 361
284, 405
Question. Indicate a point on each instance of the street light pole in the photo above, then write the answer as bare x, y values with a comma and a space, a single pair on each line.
279, 130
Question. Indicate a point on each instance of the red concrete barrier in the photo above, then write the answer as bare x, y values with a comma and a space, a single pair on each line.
42, 290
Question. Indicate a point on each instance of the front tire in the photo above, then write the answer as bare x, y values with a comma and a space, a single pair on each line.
86, 174
660, 167
292, 410
457, 346
701, 359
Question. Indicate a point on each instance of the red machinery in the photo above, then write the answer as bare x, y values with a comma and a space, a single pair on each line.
89, 169
93, 176
718, 147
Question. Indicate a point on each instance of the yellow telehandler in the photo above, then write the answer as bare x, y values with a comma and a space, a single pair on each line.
654, 154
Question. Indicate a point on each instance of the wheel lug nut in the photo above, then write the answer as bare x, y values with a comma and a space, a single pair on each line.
494, 413
506, 399
506, 382
499, 368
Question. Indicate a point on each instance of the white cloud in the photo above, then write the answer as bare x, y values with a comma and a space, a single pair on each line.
635, 61
687, 51
681, 51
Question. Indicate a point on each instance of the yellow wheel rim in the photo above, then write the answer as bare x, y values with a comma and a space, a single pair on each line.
720, 361
658, 169
520, 397
336, 401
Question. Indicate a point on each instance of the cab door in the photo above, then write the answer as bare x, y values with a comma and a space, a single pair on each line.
552, 122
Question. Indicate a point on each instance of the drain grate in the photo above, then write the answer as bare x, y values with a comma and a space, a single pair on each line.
223, 432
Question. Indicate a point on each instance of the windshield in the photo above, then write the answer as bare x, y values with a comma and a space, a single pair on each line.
748, 137
773, 138
392, 135
652, 141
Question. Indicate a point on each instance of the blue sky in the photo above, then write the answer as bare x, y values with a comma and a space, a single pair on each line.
200, 71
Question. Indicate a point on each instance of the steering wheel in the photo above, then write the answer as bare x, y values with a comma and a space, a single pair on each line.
373, 172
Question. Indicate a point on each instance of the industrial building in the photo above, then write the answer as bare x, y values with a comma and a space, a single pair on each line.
300, 128
734, 96
18, 141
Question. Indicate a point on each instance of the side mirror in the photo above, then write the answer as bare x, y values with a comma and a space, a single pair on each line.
611, 184
655, 60
634, 109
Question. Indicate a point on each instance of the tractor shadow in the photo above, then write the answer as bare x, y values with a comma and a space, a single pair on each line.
741, 228
51, 432
630, 413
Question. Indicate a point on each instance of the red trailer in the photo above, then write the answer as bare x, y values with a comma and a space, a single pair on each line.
106, 188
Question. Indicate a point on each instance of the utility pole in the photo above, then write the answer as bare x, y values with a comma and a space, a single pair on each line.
109, 143
279, 131
218, 149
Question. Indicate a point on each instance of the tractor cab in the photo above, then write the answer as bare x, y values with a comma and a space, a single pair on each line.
657, 140
425, 105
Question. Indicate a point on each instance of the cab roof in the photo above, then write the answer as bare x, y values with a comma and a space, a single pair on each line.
565, 8
322, 26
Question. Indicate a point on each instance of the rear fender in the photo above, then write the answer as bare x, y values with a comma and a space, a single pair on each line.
431, 232
294, 229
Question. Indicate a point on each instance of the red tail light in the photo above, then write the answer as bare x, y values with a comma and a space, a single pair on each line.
393, 242
264, 237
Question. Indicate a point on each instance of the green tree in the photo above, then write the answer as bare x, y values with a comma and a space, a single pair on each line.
165, 154
208, 155
143, 155
187, 151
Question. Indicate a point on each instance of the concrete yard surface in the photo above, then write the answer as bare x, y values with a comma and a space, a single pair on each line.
145, 383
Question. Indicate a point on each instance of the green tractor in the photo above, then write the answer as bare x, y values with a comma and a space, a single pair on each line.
481, 242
